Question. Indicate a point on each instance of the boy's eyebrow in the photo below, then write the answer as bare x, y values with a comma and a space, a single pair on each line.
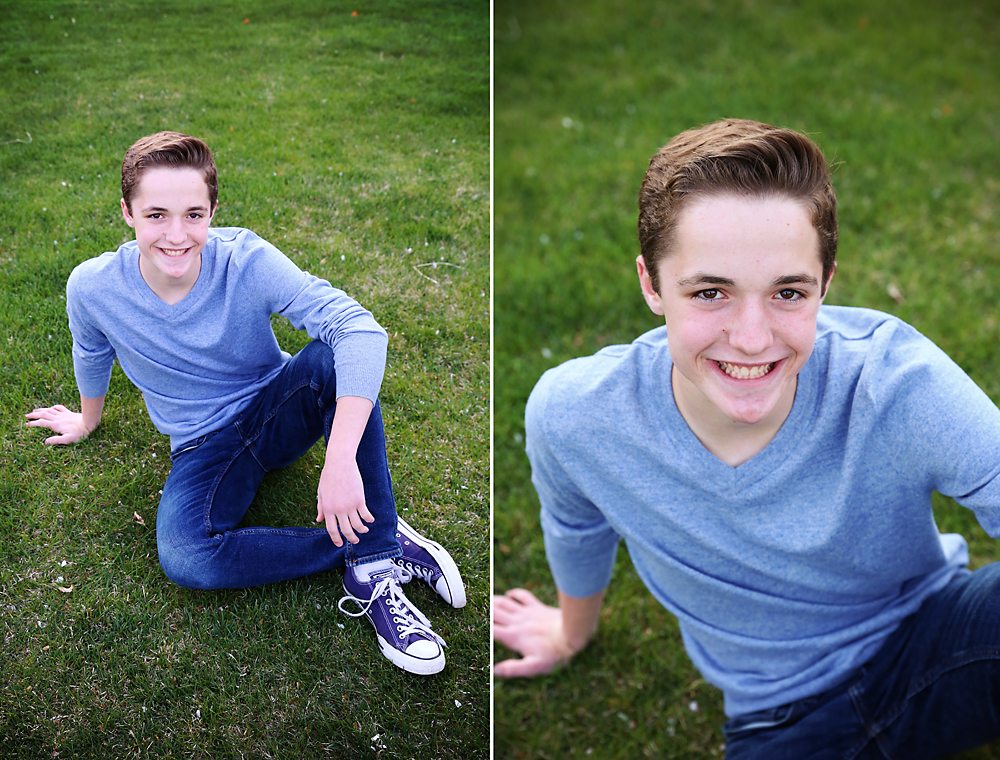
795, 279
152, 209
702, 278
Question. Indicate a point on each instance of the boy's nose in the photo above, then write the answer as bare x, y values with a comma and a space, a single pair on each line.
750, 332
175, 232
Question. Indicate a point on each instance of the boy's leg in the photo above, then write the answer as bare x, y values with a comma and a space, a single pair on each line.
211, 486
206, 495
951, 649
294, 412
210, 489
932, 690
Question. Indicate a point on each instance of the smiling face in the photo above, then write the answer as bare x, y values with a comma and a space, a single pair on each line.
171, 214
740, 291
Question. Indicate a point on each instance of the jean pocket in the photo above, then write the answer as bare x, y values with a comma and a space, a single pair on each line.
190, 445
763, 720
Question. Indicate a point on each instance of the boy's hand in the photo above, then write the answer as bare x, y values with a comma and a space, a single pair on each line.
341, 501
522, 623
69, 425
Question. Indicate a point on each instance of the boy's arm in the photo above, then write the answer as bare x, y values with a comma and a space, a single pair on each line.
341, 493
545, 636
72, 427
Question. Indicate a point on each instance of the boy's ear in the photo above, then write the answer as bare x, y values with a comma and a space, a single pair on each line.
826, 287
648, 291
128, 217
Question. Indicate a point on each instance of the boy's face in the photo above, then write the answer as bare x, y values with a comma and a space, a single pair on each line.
171, 215
740, 292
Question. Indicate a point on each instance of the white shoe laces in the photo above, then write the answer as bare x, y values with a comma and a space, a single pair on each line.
408, 570
408, 619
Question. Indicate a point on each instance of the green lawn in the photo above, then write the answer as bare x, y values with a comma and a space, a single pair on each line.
904, 96
359, 144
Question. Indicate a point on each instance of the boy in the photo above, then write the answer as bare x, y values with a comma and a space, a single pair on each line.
770, 463
185, 309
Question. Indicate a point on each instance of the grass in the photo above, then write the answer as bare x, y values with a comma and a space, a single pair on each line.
904, 96
359, 144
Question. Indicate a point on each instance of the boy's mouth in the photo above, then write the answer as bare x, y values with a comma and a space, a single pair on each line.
174, 252
744, 371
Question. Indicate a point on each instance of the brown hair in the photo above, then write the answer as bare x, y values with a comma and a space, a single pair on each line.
738, 157
171, 149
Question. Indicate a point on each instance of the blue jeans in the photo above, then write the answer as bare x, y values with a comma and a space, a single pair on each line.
932, 690
214, 478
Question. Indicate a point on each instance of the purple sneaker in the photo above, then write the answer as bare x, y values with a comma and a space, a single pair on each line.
423, 558
404, 634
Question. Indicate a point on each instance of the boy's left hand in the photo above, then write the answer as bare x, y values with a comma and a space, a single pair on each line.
341, 501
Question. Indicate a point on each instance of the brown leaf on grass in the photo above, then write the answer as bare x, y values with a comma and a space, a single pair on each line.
138, 518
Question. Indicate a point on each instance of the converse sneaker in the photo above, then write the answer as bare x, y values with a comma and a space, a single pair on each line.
423, 558
404, 634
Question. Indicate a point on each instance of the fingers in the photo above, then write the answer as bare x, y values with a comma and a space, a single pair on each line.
353, 523
331, 527
344, 522
515, 603
512, 668
63, 439
39, 418
347, 525
522, 596
48, 412
334, 533
526, 667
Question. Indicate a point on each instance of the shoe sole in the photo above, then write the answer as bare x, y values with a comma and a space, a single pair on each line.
449, 570
405, 661
409, 663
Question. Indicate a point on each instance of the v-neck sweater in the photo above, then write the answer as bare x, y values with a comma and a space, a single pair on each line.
200, 361
787, 572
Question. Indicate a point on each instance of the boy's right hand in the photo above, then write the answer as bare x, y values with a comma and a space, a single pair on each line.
535, 630
69, 425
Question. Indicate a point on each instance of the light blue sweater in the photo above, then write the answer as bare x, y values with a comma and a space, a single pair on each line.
787, 572
200, 362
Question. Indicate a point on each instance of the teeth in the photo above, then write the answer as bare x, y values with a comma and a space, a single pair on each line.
743, 372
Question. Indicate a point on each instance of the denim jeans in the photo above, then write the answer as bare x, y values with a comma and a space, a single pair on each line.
214, 478
932, 690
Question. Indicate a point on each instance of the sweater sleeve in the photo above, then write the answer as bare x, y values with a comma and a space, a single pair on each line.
93, 355
327, 314
580, 544
942, 424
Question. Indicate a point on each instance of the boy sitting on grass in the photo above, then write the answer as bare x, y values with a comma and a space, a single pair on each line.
769, 463
186, 310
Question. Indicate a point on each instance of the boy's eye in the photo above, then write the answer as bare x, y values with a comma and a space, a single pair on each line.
709, 295
789, 295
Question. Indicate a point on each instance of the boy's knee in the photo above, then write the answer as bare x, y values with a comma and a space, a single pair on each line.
187, 566
320, 357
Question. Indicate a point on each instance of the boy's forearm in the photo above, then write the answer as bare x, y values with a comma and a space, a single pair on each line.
92, 408
579, 618
349, 422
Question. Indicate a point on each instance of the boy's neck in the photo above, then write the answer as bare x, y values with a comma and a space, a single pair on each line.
732, 442
171, 292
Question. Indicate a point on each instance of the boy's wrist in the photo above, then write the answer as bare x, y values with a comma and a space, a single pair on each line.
338, 452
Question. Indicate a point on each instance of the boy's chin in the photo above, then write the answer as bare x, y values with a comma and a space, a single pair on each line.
750, 411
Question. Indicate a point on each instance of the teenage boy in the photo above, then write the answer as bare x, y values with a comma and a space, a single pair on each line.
769, 463
185, 309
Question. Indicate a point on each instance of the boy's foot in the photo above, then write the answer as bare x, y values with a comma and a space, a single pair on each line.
404, 634
427, 559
